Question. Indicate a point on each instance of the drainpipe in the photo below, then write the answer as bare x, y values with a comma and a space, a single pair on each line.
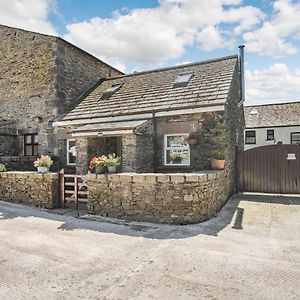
154, 141
242, 99
242, 73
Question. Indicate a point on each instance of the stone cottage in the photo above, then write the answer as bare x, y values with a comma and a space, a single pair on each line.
148, 117
41, 77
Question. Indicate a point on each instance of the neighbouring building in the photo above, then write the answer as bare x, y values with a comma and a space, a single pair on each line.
269, 124
148, 118
41, 77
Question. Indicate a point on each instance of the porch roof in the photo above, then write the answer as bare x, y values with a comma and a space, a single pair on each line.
112, 127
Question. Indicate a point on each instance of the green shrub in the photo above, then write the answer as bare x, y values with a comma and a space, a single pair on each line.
218, 154
2, 168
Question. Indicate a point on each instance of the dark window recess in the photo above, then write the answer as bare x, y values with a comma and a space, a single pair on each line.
182, 80
110, 91
250, 137
31, 144
295, 138
270, 135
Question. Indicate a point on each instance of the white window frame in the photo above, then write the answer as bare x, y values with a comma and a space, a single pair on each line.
68, 151
166, 148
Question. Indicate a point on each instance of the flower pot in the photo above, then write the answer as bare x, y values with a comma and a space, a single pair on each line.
192, 141
112, 169
217, 164
42, 169
100, 170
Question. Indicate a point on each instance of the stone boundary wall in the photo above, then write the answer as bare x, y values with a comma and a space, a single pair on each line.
161, 198
31, 188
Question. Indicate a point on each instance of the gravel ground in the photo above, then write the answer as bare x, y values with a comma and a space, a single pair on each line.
250, 250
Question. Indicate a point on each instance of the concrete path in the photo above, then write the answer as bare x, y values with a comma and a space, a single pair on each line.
251, 250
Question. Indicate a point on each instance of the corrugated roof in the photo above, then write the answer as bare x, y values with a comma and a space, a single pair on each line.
272, 115
153, 91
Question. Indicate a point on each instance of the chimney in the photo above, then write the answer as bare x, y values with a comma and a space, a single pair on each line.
242, 72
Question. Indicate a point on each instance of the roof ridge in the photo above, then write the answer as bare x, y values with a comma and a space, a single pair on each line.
202, 62
268, 104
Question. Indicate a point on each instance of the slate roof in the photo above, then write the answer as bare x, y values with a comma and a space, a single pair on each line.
153, 91
272, 115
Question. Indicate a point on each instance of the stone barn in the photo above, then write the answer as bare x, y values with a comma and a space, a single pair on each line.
41, 77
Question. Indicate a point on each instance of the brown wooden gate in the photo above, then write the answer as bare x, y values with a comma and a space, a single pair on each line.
270, 169
73, 189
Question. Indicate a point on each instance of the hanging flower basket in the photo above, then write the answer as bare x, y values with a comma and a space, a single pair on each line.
192, 139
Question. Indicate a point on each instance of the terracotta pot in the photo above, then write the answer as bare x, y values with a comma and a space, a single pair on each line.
192, 142
217, 164
42, 169
100, 170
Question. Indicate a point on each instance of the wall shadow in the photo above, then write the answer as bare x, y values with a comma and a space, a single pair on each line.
231, 212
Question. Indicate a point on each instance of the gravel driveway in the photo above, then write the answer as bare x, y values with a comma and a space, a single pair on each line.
251, 250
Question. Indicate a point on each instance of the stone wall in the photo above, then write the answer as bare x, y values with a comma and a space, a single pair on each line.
7, 144
41, 77
137, 153
31, 188
210, 129
163, 198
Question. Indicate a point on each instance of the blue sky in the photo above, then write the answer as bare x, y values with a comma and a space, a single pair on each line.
140, 35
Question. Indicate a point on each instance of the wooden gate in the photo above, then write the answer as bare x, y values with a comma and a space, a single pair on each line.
270, 169
73, 189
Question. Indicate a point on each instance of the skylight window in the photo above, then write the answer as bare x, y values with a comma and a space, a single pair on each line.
182, 80
110, 91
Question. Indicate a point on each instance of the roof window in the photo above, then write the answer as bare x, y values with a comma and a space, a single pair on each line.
182, 80
110, 91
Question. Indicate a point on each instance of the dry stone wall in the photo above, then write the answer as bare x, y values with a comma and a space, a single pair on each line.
31, 188
162, 198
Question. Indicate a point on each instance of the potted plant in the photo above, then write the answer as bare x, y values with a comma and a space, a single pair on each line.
2, 168
192, 139
112, 162
218, 159
176, 158
43, 163
98, 163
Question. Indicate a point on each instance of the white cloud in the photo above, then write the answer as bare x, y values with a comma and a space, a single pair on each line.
275, 84
271, 38
154, 35
27, 14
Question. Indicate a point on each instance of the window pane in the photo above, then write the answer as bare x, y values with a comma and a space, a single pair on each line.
35, 150
178, 157
71, 151
295, 138
250, 137
35, 139
71, 144
270, 134
72, 158
28, 139
250, 140
28, 150
177, 141
250, 133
